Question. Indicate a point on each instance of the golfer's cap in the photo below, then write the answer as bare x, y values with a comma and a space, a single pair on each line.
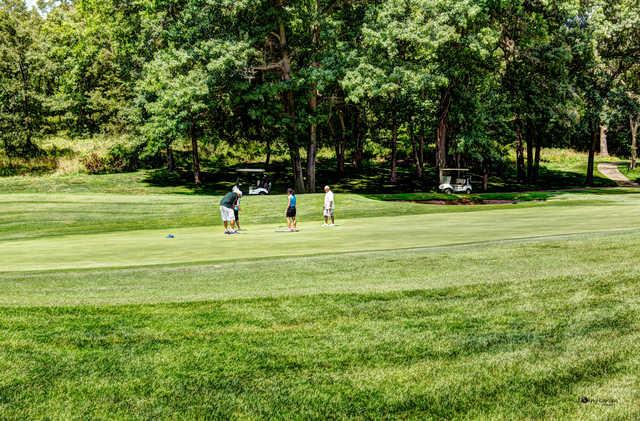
235, 189
327, 188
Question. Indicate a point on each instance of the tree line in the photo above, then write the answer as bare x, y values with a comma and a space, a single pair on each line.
431, 82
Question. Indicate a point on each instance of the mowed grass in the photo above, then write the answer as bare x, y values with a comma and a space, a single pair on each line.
509, 350
37, 215
402, 311
208, 244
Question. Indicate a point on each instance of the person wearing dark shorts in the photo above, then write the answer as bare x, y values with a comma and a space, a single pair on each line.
236, 212
291, 210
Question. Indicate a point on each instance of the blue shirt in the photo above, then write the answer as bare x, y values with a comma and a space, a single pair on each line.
292, 201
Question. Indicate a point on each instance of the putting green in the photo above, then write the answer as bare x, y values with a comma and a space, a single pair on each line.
209, 244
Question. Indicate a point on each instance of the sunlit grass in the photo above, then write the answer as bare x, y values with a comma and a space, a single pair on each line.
404, 310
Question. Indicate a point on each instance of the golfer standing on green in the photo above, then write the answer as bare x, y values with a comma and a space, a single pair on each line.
329, 207
290, 213
226, 211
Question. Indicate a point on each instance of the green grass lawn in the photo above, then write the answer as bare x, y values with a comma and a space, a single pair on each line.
404, 310
632, 174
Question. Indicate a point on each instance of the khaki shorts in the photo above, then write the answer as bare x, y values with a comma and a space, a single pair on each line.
227, 214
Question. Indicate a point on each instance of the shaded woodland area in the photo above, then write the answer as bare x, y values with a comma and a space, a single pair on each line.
429, 83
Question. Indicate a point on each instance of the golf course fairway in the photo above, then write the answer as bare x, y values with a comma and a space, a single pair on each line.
402, 310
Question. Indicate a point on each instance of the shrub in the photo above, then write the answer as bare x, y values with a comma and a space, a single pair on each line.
94, 163
69, 165
20, 166
120, 158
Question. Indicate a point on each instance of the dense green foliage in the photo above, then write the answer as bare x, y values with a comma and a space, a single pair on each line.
422, 83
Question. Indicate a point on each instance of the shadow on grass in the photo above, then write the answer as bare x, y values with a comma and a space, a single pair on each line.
372, 178
213, 183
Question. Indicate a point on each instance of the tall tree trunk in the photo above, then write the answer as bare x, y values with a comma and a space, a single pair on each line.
285, 69
394, 148
313, 143
536, 162
421, 140
415, 149
633, 125
485, 177
196, 155
340, 144
520, 169
28, 148
357, 137
296, 164
267, 160
529, 136
339, 156
592, 153
294, 149
336, 140
441, 134
604, 150
313, 104
171, 165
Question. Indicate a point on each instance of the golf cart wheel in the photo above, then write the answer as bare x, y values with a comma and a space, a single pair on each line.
262, 193
468, 191
448, 191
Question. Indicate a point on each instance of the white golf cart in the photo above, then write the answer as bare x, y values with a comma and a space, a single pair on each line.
455, 180
261, 185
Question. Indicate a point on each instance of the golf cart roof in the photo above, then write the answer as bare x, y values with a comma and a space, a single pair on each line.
248, 170
455, 169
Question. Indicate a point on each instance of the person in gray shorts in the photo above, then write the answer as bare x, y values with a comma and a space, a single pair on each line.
328, 210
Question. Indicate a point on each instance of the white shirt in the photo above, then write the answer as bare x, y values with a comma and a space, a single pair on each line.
328, 200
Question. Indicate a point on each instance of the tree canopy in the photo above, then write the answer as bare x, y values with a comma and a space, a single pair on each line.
428, 83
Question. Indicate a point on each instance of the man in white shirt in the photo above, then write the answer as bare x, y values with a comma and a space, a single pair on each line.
329, 207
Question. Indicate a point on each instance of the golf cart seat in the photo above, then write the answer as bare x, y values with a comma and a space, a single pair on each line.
261, 184
461, 181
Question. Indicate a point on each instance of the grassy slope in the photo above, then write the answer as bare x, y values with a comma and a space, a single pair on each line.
563, 168
506, 350
633, 175
489, 329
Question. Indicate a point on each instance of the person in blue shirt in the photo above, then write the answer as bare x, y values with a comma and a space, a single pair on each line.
291, 210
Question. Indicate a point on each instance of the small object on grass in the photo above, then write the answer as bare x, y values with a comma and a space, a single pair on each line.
584, 399
170, 236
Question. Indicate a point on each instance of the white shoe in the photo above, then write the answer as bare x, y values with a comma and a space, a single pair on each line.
332, 225
325, 225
